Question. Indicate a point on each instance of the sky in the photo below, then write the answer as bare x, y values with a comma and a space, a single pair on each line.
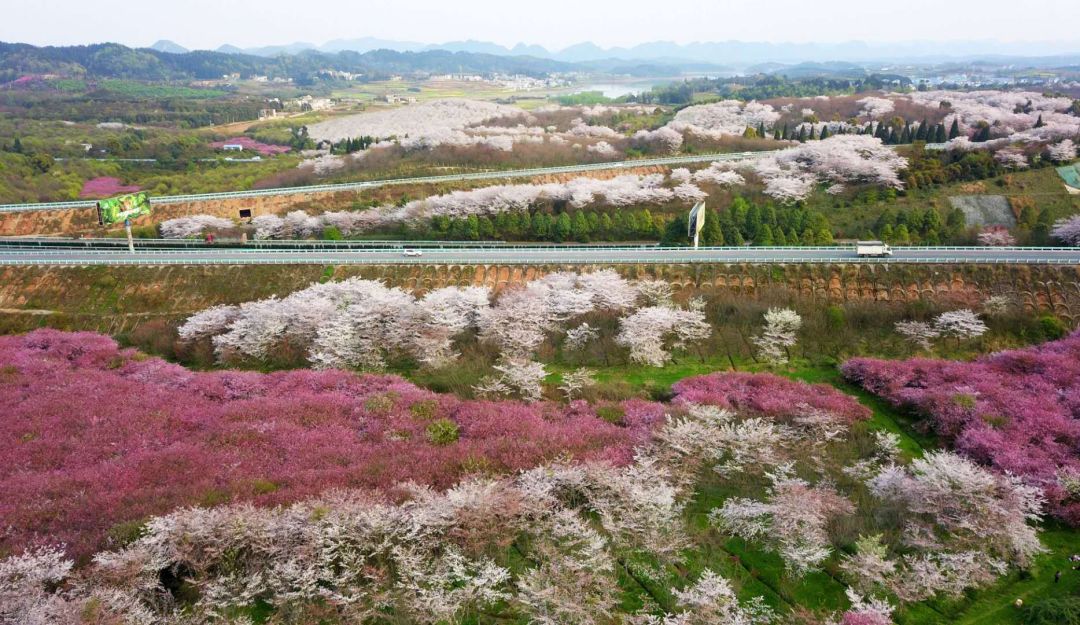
206, 24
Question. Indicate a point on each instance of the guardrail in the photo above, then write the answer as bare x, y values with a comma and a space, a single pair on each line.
317, 260
352, 186
109, 244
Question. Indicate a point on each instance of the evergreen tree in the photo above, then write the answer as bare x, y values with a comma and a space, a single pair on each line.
802, 134
752, 226
541, 224
954, 130
905, 137
901, 236
1039, 123
472, 228
579, 228
562, 228
17, 147
793, 237
765, 236
892, 139
486, 229
886, 233
939, 134
920, 133
824, 132
761, 129
808, 237
776, 133
711, 232
786, 134
675, 232
607, 228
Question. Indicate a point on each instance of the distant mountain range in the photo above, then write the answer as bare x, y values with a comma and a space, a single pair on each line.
738, 54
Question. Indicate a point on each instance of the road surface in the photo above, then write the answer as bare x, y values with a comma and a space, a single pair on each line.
521, 255
356, 186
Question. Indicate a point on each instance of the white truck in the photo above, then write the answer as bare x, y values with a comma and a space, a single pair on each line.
865, 249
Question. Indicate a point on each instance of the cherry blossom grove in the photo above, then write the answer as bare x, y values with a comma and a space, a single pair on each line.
1011, 410
1011, 114
620, 191
729, 117
362, 323
792, 174
433, 540
428, 119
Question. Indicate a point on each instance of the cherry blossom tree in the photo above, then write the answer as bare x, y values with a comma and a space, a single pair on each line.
950, 498
792, 519
648, 332
779, 335
192, 226
515, 376
688, 192
576, 381
719, 119
961, 324
918, 332
578, 337
720, 175
1067, 230
875, 107
996, 236
840, 159
712, 601
665, 139
1011, 159
1062, 151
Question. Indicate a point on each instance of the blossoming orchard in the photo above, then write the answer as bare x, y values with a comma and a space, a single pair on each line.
377, 435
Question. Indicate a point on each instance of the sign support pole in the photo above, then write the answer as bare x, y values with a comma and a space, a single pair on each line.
131, 242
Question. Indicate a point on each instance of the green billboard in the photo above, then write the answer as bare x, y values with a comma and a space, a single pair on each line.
123, 207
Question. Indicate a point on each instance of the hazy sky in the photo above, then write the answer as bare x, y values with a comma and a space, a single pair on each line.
551, 23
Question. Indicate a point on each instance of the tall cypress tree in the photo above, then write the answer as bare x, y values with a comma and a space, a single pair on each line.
920, 133
824, 132
786, 134
954, 131
939, 134
1039, 123
761, 129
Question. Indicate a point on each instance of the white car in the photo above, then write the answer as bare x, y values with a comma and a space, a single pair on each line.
412, 253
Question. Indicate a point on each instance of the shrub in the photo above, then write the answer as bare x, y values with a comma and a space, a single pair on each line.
442, 432
1053, 611
425, 409
611, 414
1052, 327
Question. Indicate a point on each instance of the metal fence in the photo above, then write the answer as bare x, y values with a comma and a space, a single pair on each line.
165, 259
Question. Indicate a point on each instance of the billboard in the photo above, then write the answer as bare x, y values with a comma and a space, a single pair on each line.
123, 207
696, 221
